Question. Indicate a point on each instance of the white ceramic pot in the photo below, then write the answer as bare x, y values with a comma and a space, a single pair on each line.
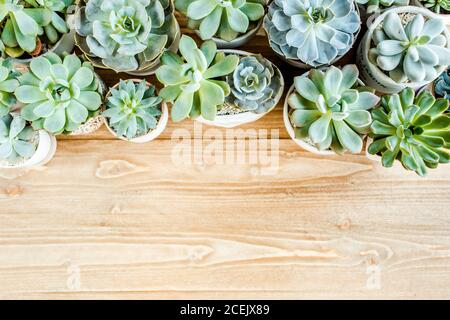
443, 16
152, 135
374, 76
45, 151
235, 120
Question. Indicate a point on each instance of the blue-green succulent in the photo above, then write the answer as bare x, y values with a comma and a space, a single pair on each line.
8, 84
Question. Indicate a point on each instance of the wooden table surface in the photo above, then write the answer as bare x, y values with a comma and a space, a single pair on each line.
111, 219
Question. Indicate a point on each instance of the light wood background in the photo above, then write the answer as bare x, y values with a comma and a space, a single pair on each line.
110, 219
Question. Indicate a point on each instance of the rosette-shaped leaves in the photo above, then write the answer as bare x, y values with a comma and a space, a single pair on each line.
8, 84
59, 95
330, 110
314, 32
254, 84
373, 6
442, 85
225, 19
133, 109
192, 81
413, 130
126, 35
15, 138
414, 52
437, 6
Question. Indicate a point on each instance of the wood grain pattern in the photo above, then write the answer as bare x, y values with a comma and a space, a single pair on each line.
110, 219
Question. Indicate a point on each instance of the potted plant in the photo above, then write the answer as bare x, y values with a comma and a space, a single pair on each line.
193, 80
128, 38
326, 112
228, 23
256, 86
29, 28
442, 85
134, 112
414, 130
369, 7
8, 84
404, 47
21, 146
440, 7
312, 33
58, 95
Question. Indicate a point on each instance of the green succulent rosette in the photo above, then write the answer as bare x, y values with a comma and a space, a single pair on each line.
8, 84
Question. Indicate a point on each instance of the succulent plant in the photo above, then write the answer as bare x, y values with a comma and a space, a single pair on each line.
442, 85
438, 6
254, 84
192, 81
23, 22
126, 35
223, 18
373, 6
330, 110
414, 52
413, 130
58, 95
133, 109
16, 138
8, 84
314, 32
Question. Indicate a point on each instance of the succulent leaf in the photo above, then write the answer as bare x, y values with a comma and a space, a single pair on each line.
16, 138
442, 85
437, 6
373, 6
8, 84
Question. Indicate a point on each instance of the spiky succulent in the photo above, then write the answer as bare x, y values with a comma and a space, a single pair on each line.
330, 110
442, 85
373, 6
413, 130
23, 22
133, 109
126, 35
8, 84
413, 52
254, 84
192, 81
438, 6
58, 95
15, 138
225, 19
313, 32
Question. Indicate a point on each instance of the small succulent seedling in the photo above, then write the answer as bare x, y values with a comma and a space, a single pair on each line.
411, 52
373, 6
58, 95
126, 36
413, 130
331, 110
437, 6
314, 32
15, 138
133, 109
254, 84
8, 84
192, 80
442, 85
223, 18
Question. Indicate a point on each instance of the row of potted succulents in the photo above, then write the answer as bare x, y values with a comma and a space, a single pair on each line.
45, 90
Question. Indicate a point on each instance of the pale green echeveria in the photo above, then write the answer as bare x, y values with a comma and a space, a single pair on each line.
414, 130
8, 84
15, 138
226, 19
411, 53
133, 109
373, 6
254, 84
330, 109
58, 10
126, 35
193, 80
316, 32
437, 6
59, 95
